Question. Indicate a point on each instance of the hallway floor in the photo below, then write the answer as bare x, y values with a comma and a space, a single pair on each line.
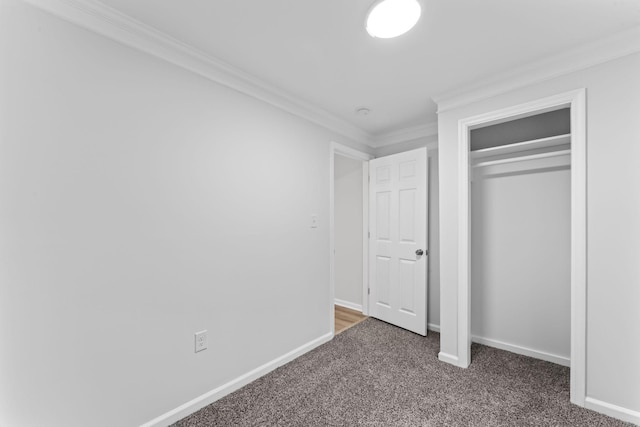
346, 318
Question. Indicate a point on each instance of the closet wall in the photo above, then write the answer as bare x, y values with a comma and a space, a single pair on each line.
520, 240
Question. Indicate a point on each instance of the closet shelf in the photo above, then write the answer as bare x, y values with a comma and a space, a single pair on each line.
520, 146
523, 158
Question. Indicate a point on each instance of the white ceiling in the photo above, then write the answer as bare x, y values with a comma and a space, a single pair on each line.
320, 52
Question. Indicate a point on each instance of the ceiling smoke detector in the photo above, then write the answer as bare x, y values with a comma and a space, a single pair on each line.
391, 18
363, 111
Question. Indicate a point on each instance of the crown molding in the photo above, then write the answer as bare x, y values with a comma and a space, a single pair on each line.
106, 21
405, 134
607, 49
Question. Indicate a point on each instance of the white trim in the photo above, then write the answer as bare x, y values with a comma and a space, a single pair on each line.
106, 21
405, 134
449, 358
219, 392
607, 49
365, 238
352, 153
464, 247
611, 410
343, 150
525, 351
347, 304
576, 99
433, 327
332, 239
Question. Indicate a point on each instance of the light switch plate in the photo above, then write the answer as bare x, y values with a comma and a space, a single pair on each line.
314, 221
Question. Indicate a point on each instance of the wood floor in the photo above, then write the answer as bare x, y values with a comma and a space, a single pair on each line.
346, 318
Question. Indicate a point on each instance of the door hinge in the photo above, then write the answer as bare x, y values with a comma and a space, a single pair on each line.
368, 291
369, 233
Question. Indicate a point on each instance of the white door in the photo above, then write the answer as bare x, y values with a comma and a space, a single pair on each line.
398, 240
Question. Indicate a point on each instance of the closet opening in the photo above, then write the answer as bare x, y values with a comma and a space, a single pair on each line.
515, 166
520, 209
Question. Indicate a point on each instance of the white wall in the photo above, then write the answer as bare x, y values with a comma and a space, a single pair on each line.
433, 291
521, 258
431, 142
613, 229
348, 231
140, 203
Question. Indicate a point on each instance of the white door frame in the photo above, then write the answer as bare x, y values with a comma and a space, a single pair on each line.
576, 100
343, 150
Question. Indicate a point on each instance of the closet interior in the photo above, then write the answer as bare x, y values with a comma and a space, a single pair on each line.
521, 235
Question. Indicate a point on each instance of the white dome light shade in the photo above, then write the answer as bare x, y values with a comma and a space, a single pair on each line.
391, 18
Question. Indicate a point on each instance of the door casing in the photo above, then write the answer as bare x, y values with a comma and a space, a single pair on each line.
576, 100
342, 150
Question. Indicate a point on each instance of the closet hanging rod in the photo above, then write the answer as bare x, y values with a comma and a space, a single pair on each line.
523, 158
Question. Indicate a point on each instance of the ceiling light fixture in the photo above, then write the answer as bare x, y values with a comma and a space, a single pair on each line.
390, 18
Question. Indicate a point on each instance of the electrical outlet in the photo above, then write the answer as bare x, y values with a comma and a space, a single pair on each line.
201, 340
314, 221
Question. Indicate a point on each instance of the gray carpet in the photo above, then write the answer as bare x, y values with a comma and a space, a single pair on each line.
375, 374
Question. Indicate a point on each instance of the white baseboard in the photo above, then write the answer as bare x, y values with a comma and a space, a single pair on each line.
347, 304
233, 385
614, 411
433, 327
449, 358
525, 351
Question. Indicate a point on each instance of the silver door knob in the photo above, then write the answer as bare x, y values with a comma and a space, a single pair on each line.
419, 252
